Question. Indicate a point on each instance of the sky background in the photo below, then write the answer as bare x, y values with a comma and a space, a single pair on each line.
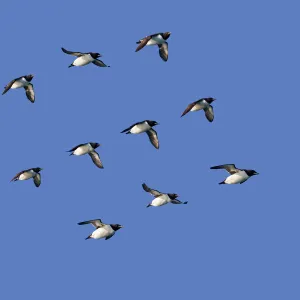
230, 241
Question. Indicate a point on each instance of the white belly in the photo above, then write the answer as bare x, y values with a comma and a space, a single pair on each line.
102, 232
140, 128
237, 178
161, 200
83, 60
156, 40
27, 175
19, 83
83, 150
200, 106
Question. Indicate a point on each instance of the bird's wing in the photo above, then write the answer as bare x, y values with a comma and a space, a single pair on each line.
189, 107
96, 159
209, 113
127, 129
228, 167
37, 179
143, 43
74, 148
155, 193
97, 223
163, 51
108, 237
17, 175
99, 63
30, 92
72, 53
8, 86
176, 201
152, 134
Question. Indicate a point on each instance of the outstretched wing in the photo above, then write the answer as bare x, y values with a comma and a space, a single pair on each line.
37, 179
99, 63
189, 107
96, 223
209, 113
17, 175
163, 51
155, 193
176, 201
96, 159
142, 43
71, 52
30, 92
152, 134
230, 168
8, 86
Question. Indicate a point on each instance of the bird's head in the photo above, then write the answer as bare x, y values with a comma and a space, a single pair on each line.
95, 55
173, 196
95, 145
37, 170
166, 35
251, 172
29, 77
152, 123
209, 100
116, 227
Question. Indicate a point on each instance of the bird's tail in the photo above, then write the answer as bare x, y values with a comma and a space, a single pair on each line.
88, 237
71, 65
148, 205
223, 182
185, 202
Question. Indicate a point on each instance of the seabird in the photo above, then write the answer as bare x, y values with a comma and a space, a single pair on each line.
30, 173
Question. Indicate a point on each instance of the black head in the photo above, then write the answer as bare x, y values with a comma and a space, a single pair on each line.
251, 172
37, 170
95, 55
116, 227
166, 35
173, 196
209, 100
95, 145
29, 77
151, 123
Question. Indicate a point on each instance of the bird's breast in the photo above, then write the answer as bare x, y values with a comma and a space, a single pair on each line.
83, 60
140, 128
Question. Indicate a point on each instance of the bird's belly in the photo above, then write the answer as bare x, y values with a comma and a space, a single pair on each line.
18, 84
26, 175
156, 40
197, 107
82, 150
82, 60
236, 178
99, 233
159, 201
139, 128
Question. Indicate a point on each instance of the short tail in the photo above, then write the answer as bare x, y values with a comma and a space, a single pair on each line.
88, 237
186, 202
71, 65
223, 182
148, 205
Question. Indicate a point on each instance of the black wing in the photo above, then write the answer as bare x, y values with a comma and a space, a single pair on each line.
99, 63
96, 223
142, 43
152, 134
209, 113
37, 179
8, 86
73, 149
163, 51
155, 193
127, 129
230, 168
189, 107
30, 92
71, 52
96, 159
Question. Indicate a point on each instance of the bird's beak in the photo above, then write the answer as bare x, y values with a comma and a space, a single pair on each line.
256, 174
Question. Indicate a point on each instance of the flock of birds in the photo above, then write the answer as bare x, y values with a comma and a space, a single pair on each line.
108, 230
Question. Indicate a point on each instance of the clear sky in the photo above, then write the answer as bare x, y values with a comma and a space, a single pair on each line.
228, 242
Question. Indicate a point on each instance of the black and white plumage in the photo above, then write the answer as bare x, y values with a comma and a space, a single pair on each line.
88, 148
102, 230
236, 175
144, 126
85, 58
22, 82
29, 173
203, 103
158, 39
161, 198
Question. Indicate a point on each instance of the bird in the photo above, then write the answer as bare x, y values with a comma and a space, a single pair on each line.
30, 173
158, 39
161, 198
203, 103
102, 230
88, 148
22, 82
85, 58
236, 175
144, 126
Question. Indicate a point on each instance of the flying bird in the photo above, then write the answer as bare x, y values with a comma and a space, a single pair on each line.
102, 230
88, 148
236, 175
22, 82
144, 126
203, 103
30, 173
161, 198
85, 58
158, 39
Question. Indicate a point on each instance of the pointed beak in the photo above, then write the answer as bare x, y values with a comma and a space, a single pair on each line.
256, 174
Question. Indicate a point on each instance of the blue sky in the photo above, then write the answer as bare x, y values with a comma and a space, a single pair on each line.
229, 242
